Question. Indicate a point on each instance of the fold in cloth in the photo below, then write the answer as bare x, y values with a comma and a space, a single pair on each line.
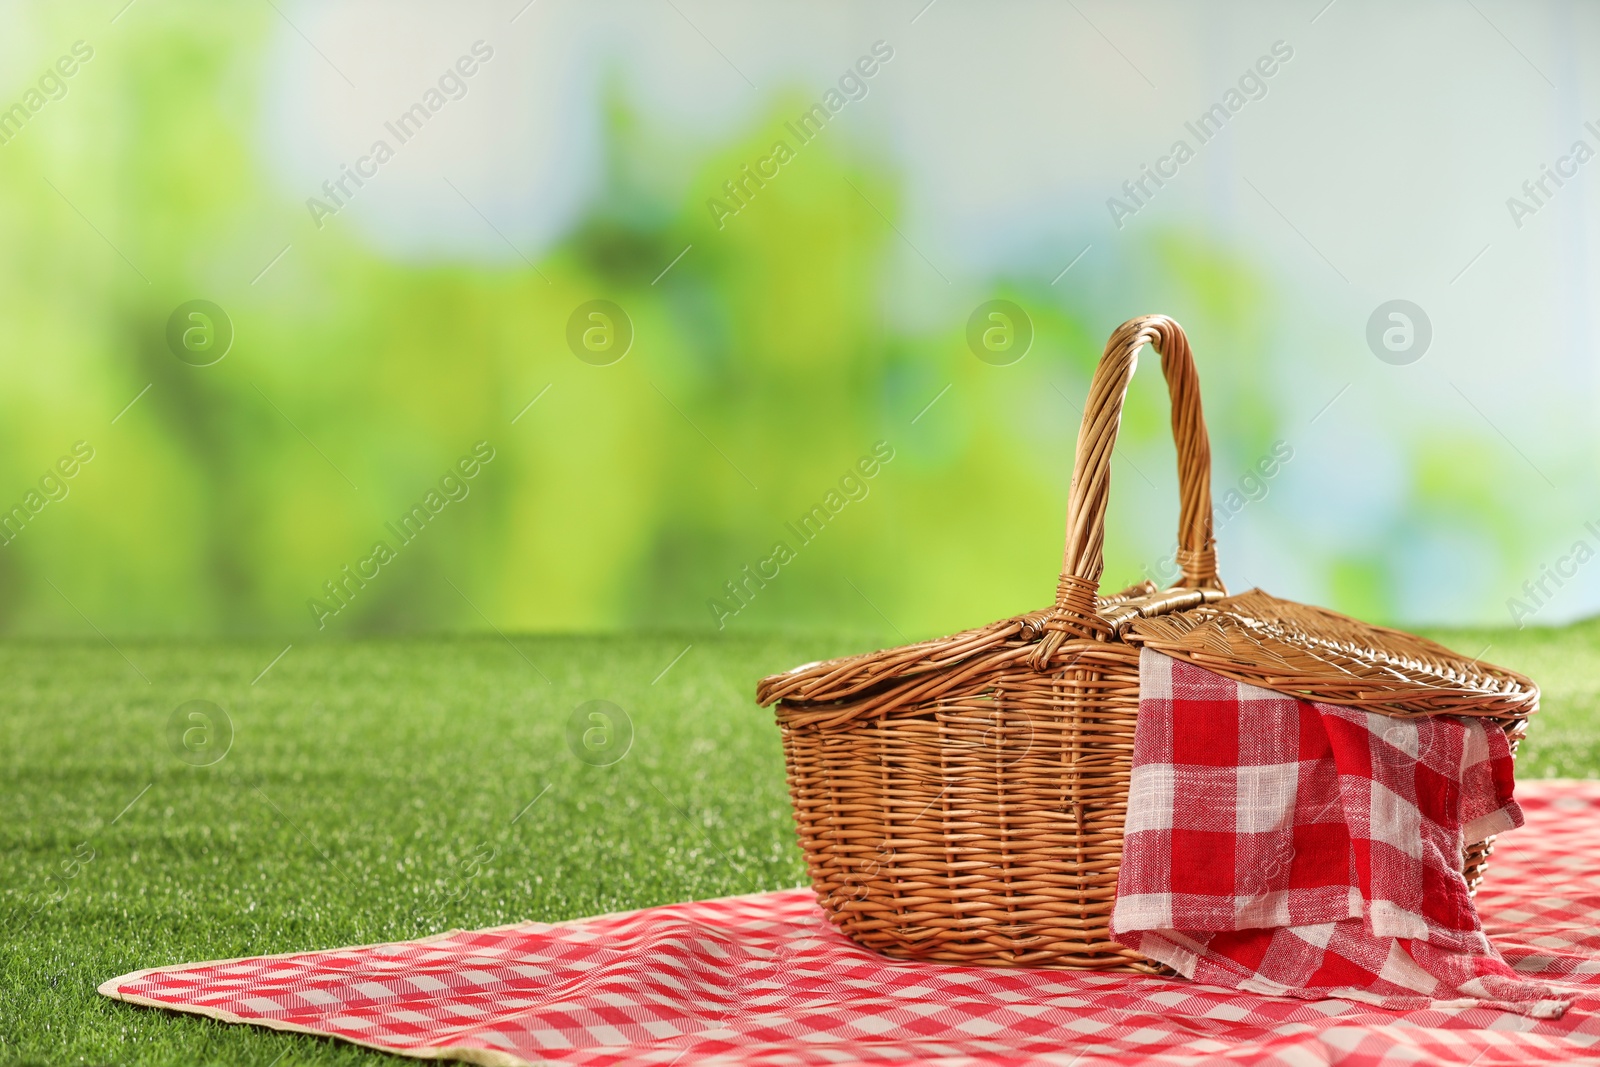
1286, 847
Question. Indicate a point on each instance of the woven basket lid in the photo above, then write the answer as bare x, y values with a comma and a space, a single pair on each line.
1320, 655
1301, 651
936, 661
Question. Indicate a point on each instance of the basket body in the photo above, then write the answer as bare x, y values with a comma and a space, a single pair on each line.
983, 823
963, 800
982, 827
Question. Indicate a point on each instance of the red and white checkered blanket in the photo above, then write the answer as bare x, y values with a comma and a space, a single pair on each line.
765, 981
1286, 847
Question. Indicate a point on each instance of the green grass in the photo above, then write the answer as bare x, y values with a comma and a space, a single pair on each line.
370, 792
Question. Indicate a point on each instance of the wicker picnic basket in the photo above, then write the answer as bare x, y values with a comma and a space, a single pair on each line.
963, 799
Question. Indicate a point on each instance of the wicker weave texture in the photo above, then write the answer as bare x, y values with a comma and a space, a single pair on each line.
984, 827
963, 799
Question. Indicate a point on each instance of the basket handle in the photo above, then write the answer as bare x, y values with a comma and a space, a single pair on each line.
1091, 471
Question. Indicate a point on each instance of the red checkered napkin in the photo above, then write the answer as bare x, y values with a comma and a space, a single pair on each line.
1292, 848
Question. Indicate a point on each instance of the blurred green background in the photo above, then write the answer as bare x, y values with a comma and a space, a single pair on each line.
768, 356
176, 519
